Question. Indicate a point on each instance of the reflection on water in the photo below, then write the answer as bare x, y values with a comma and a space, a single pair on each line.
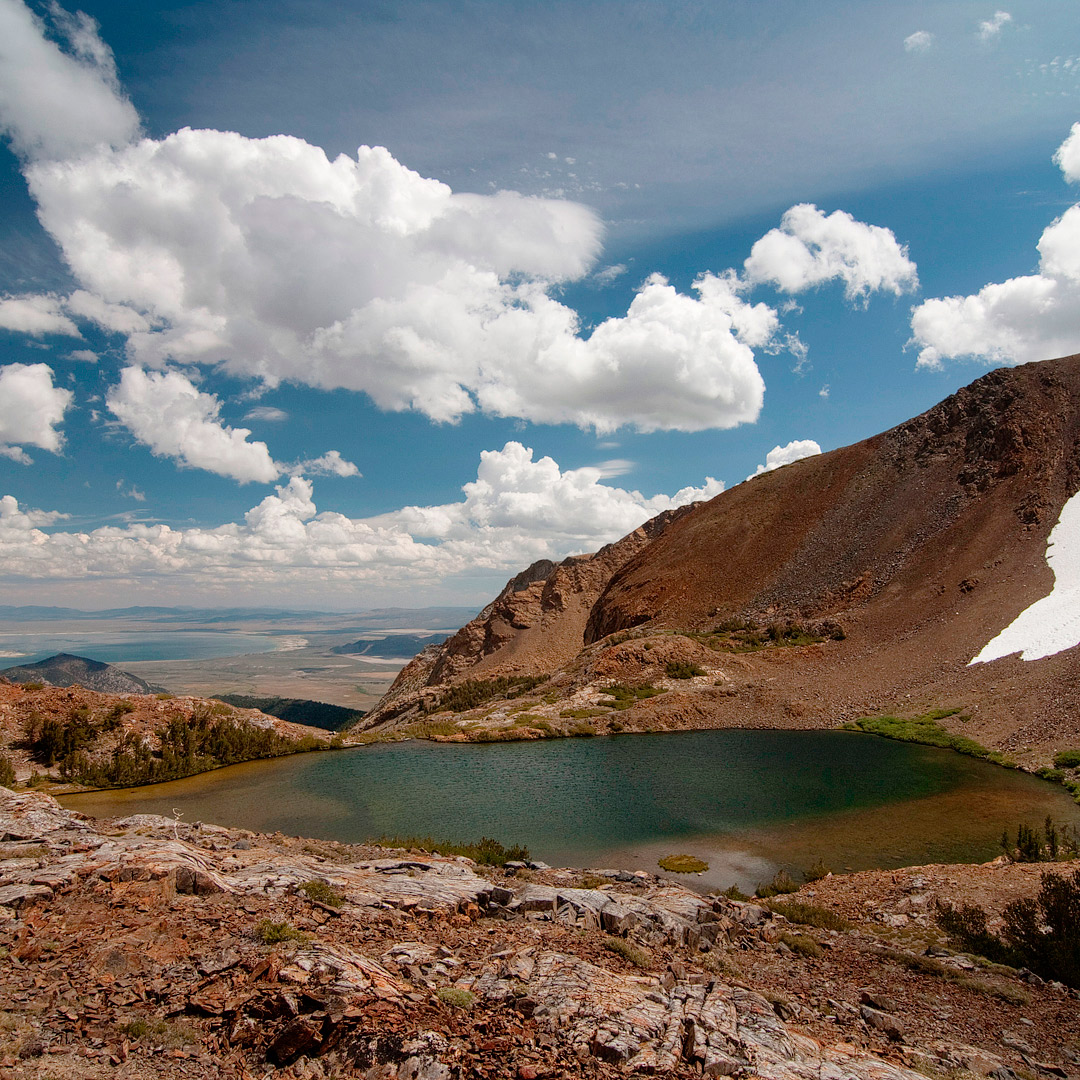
746, 801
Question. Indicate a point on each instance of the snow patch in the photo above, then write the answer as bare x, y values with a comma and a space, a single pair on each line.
1051, 624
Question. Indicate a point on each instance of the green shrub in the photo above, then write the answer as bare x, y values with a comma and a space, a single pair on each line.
625, 695
7, 772
801, 944
473, 692
33, 686
680, 669
1045, 929
170, 1034
782, 883
809, 915
927, 965
819, 870
1067, 759
683, 864
630, 952
1040, 932
733, 892
485, 852
273, 933
189, 745
966, 930
456, 997
582, 730
1048, 844
323, 893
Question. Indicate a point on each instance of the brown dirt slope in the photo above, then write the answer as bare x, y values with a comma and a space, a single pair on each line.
920, 544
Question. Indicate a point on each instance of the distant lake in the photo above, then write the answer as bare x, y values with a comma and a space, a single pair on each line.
117, 646
748, 802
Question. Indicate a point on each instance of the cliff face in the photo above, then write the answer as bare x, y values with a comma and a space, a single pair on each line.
896, 559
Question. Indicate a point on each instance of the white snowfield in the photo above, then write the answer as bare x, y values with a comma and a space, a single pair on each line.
1051, 624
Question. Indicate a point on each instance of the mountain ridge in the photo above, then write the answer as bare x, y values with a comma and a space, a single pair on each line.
920, 543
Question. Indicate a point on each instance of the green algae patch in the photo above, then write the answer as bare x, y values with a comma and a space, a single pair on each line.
683, 864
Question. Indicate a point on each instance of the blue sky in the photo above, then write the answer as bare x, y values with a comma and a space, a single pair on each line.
613, 256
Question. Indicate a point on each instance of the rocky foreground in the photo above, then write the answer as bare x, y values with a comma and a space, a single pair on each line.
146, 947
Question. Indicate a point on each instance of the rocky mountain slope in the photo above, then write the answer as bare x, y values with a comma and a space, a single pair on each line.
147, 947
860, 581
64, 669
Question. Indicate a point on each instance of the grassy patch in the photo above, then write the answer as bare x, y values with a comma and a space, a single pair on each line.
456, 997
1067, 759
681, 669
809, 915
733, 892
273, 933
584, 714
485, 852
745, 635
322, 893
925, 729
927, 965
782, 883
630, 952
683, 864
430, 729
625, 696
802, 944
170, 1034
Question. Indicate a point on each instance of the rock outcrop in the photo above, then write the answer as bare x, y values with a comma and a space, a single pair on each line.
157, 947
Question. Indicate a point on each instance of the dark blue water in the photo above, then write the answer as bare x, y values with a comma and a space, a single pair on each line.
746, 801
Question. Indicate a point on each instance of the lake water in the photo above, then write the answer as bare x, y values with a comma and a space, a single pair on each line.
120, 646
748, 802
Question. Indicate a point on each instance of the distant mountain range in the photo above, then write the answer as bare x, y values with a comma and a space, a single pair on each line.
375, 619
395, 646
64, 669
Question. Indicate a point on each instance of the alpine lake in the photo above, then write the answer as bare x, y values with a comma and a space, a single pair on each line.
747, 802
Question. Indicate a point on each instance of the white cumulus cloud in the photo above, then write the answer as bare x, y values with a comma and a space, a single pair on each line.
329, 464
268, 260
516, 511
919, 42
36, 314
990, 29
54, 103
1033, 317
811, 248
168, 413
31, 407
785, 455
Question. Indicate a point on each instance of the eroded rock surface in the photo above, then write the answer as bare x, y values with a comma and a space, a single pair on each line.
146, 947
